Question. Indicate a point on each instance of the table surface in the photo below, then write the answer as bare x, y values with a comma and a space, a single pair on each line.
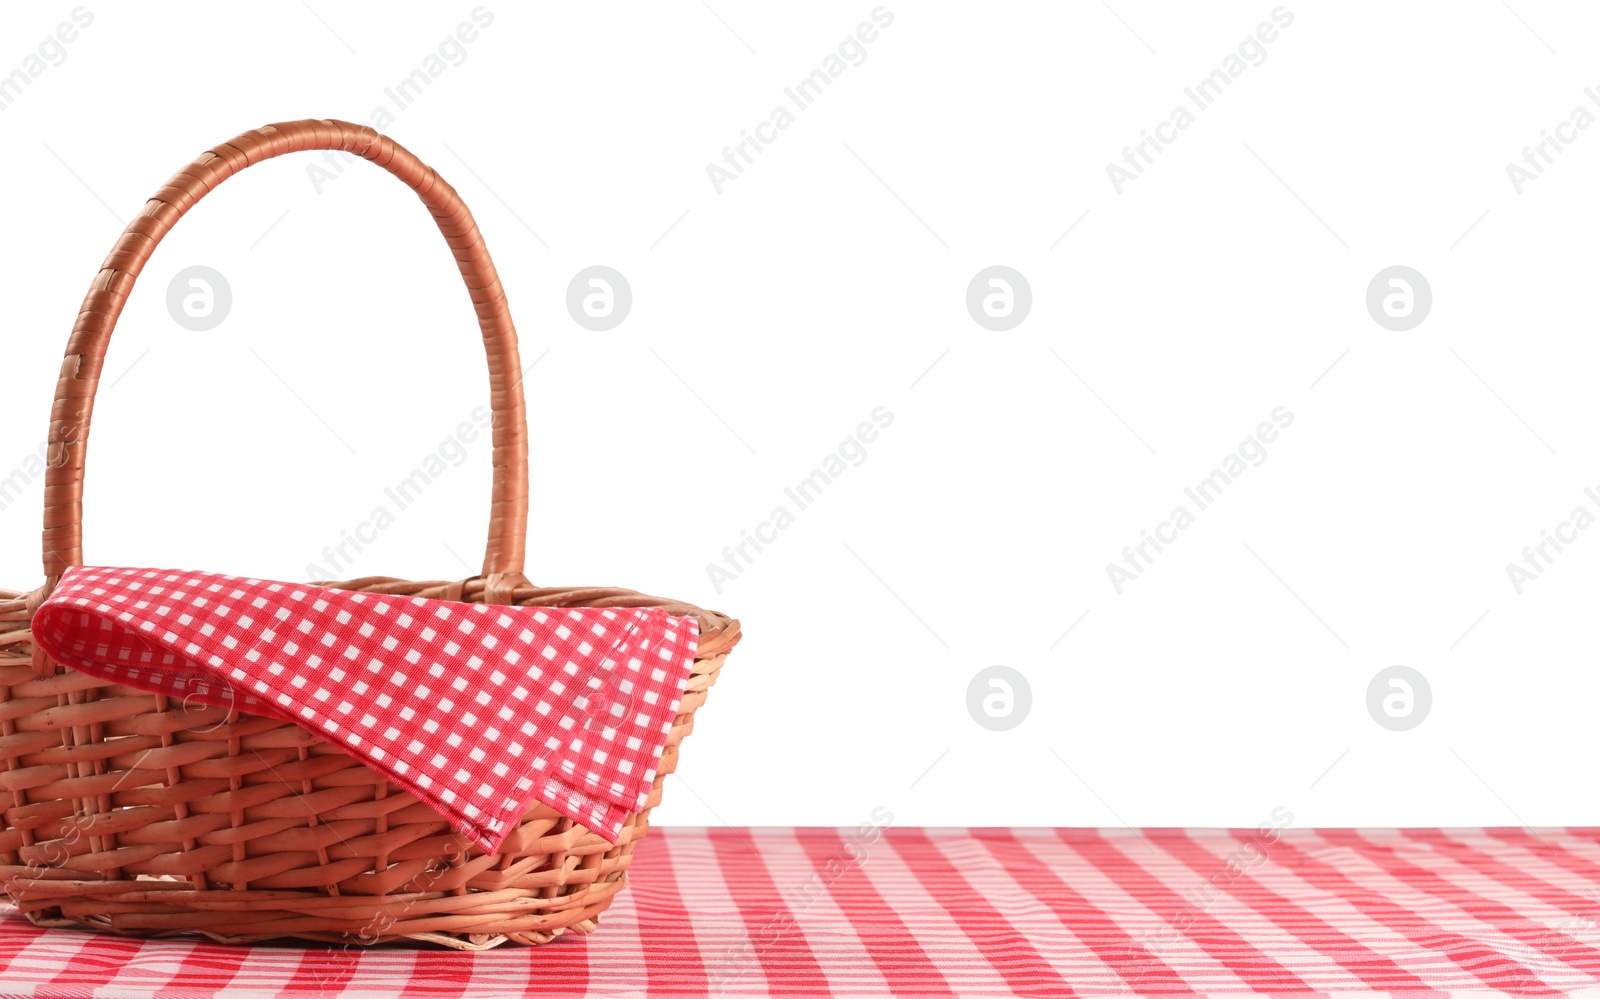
971, 912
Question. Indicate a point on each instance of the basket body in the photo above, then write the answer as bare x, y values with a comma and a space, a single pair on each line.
128, 812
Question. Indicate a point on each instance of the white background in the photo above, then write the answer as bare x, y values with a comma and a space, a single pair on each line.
829, 279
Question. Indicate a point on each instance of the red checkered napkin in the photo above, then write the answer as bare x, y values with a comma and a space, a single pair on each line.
477, 709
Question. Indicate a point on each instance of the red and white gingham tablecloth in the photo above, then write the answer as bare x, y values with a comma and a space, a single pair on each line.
969, 912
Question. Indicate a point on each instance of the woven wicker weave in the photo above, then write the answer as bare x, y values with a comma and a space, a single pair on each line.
129, 813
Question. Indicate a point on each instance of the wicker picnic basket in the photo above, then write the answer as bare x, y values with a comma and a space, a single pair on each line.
128, 813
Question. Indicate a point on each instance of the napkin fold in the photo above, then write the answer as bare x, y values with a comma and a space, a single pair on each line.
476, 709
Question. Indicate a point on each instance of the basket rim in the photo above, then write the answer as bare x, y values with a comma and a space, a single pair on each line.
718, 631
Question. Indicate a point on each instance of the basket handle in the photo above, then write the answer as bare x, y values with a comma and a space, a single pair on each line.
80, 371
